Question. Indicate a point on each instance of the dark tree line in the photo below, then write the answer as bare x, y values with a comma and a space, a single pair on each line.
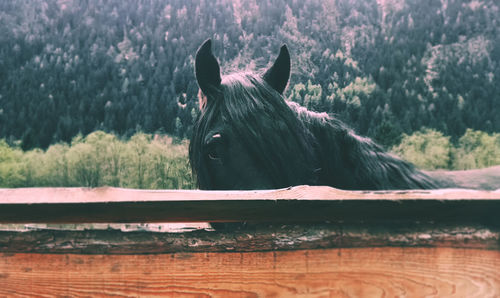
385, 67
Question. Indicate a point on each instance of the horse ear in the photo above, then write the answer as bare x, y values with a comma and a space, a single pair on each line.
207, 69
277, 75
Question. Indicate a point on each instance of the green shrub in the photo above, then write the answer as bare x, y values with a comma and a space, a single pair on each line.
427, 149
477, 149
100, 159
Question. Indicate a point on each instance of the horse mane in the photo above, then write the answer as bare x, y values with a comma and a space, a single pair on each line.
350, 161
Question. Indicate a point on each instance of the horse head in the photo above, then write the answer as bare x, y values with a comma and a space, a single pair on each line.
246, 136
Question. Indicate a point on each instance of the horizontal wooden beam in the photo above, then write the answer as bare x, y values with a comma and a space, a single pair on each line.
250, 237
297, 204
353, 272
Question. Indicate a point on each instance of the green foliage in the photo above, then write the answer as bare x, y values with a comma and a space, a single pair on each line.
361, 87
308, 95
427, 149
430, 149
297, 93
313, 95
100, 159
10, 168
387, 135
161, 162
477, 149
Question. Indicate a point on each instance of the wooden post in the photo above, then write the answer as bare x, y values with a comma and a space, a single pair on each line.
304, 241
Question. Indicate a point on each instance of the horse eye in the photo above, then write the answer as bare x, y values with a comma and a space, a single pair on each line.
213, 148
213, 155
213, 152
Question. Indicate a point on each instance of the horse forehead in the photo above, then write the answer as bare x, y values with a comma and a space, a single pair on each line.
240, 81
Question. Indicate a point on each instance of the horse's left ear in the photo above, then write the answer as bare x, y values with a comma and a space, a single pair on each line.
207, 69
277, 75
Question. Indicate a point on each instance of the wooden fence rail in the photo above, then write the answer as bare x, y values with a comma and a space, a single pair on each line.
303, 204
302, 241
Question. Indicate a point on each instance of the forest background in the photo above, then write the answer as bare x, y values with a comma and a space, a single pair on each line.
103, 92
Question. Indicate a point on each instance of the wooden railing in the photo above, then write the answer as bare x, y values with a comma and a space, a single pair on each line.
301, 241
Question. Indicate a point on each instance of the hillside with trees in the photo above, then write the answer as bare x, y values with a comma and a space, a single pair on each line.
392, 69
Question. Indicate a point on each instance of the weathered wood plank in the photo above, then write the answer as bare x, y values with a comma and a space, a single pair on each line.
260, 237
355, 272
303, 203
44, 195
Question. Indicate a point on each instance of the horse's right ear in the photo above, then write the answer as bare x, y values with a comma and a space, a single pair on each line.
207, 69
277, 75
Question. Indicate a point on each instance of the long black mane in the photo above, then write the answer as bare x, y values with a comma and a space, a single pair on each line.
349, 161
248, 136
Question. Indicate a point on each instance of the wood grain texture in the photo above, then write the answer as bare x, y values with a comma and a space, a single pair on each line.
298, 204
355, 272
304, 192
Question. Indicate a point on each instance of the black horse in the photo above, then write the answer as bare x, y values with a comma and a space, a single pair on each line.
248, 137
